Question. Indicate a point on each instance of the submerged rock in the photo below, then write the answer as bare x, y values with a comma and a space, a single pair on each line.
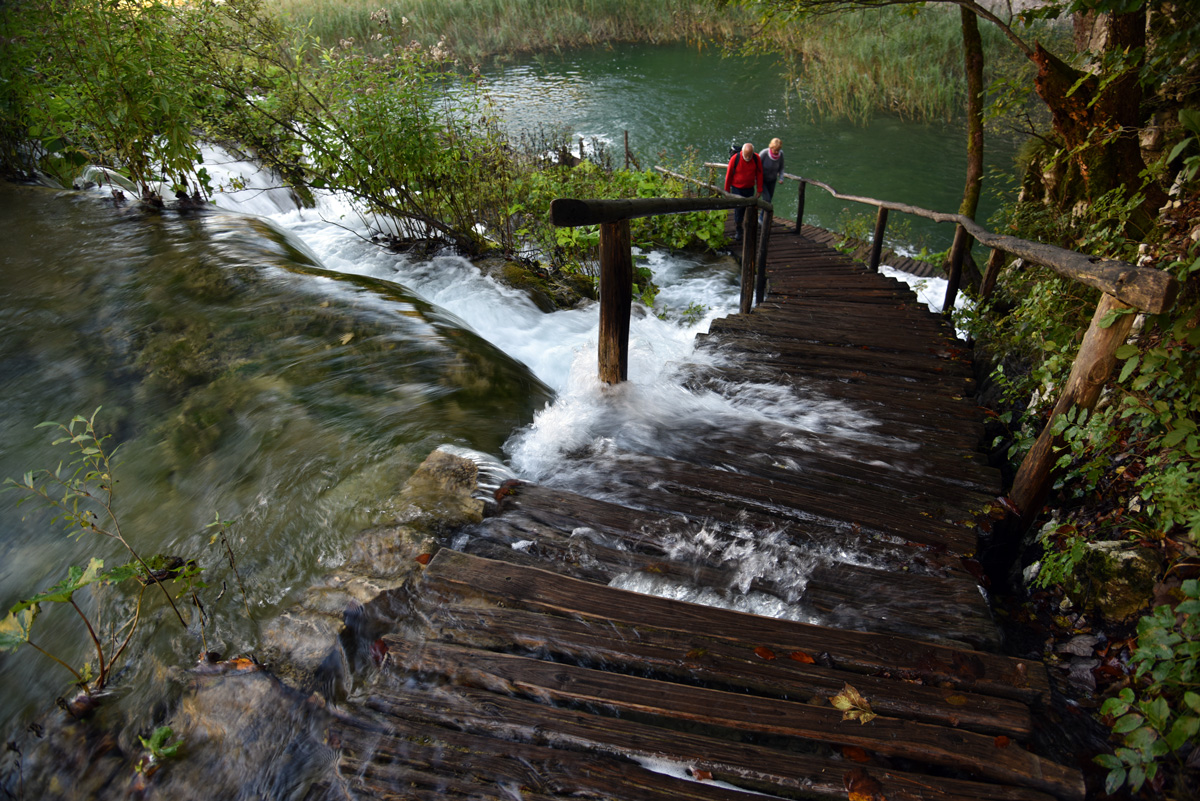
319, 643
549, 291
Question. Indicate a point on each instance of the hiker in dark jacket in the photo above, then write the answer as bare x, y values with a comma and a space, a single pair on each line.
744, 177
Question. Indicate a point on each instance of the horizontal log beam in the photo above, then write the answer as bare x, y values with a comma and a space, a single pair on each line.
571, 212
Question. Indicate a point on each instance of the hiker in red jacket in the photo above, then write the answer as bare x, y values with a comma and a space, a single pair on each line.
744, 177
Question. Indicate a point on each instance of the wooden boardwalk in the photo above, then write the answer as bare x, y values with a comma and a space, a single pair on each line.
517, 672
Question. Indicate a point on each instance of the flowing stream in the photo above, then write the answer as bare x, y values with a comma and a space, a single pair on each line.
271, 366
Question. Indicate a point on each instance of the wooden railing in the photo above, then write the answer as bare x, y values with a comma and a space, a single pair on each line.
616, 259
1126, 289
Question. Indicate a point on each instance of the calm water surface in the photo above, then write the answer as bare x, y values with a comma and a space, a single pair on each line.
673, 98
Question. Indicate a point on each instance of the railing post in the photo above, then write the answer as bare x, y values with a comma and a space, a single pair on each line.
877, 240
616, 298
958, 252
991, 273
800, 206
749, 247
1097, 355
764, 237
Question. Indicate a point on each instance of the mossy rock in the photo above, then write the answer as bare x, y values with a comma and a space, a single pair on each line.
549, 291
1115, 579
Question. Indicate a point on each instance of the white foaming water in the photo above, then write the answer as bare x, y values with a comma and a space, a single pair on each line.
643, 415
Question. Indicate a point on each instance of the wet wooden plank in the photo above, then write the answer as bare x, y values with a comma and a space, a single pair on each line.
559, 683
462, 575
659, 516
765, 769
694, 658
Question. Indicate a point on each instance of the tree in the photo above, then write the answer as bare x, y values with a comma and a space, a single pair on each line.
1096, 115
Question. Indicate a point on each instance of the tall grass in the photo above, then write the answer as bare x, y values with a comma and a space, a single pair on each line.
474, 29
851, 65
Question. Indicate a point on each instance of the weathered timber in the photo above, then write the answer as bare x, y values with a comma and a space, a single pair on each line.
556, 682
855, 508
482, 766
945, 609
696, 659
1144, 288
877, 239
571, 212
757, 768
764, 240
649, 529
616, 297
463, 575
958, 254
1092, 367
749, 251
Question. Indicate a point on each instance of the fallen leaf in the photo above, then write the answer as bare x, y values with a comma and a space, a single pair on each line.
1001, 741
424, 558
861, 787
702, 775
762, 652
800, 656
855, 753
379, 651
852, 705
346, 338
697, 653
657, 568
957, 700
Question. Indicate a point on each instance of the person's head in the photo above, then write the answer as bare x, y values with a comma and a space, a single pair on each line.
775, 146
748, 151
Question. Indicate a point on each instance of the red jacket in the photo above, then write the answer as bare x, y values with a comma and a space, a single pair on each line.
744, 174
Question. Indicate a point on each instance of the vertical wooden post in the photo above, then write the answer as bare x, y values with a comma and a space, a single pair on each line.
958, 252
764, 237
616, 298
749, 247
877, 241
627, 150
581, 149
991, 273
800, 206
1097, 355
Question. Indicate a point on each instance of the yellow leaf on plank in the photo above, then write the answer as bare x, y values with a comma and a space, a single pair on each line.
852, 705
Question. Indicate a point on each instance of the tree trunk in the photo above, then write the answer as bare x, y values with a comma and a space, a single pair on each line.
973, 64
1099, 123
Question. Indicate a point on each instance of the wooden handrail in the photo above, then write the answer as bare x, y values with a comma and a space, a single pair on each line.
616, 270
1126, 288
571, 212
1144, 288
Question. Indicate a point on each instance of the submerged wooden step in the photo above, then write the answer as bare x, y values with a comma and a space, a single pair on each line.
775, 771
555, 682
461, 575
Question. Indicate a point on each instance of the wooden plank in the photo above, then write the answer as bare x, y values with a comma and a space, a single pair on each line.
477, 766
789, 773
645, 528
463, 575
694, 658
558, 683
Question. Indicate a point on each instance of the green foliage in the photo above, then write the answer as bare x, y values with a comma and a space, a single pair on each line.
80, 493
158, 749
1190, 120
577, 249
115, 83
1161, 718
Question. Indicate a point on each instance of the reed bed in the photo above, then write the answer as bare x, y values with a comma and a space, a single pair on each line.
472, 30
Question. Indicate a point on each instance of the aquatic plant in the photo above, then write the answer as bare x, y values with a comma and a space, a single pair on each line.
81, 493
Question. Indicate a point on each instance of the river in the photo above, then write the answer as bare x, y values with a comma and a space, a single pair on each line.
269, 365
